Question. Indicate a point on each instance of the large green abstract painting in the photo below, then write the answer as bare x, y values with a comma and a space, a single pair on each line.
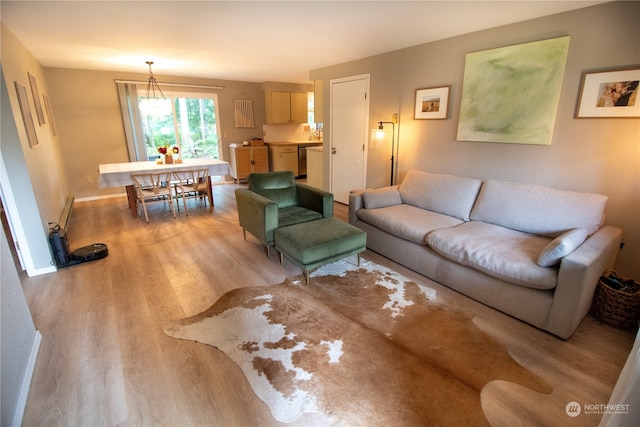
511, 94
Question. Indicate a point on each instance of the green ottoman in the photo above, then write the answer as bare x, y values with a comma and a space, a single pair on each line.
316, 243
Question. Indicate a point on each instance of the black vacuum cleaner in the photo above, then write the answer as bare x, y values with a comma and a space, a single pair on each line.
63, 255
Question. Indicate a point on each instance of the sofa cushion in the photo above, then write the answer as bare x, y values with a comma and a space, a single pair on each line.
291, 215
502, 253
561, 246
406, 221
381, 197
279, 187
445, 194
537, 209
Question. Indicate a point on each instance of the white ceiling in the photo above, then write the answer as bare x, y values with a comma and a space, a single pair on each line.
246, 40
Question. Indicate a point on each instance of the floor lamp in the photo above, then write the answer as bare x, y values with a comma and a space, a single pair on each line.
380, 135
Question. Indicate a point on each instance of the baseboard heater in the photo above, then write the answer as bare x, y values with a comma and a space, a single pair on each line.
66, 212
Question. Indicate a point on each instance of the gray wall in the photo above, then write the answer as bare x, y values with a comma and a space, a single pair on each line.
19, 343
595, 155
89, 120
36, 181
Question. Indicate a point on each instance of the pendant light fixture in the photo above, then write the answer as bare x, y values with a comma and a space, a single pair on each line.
154, 103
153, 84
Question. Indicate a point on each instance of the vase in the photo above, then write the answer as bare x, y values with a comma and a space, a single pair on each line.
168, 158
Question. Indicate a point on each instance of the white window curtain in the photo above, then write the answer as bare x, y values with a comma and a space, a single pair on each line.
128, 94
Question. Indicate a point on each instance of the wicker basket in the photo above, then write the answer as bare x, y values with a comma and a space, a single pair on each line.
617, 301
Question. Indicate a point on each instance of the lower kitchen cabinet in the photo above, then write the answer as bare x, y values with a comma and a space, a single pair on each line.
245, 160
284, 158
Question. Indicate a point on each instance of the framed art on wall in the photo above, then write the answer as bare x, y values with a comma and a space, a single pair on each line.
36, 99
609, 93
27, 117
47, 107
511, 94
431, 103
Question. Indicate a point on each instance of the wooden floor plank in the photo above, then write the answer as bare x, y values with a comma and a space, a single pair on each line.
104, 359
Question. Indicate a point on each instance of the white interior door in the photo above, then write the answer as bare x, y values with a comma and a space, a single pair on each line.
349, 130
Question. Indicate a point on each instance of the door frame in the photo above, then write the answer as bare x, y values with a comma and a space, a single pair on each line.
367, 78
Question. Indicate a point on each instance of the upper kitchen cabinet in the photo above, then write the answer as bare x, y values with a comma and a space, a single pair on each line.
286, 107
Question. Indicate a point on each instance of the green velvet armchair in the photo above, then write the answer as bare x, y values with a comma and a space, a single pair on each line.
275, 199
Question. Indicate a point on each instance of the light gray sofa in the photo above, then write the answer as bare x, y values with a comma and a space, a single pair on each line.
533, 252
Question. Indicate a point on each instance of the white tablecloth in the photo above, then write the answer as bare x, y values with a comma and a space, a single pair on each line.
119, 174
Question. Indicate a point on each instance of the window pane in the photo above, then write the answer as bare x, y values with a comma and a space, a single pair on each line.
157, 124
197, 126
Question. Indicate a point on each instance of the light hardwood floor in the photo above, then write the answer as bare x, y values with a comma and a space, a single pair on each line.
104, 359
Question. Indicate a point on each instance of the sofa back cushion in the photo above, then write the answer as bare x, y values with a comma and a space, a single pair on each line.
381, 197
445, 194
538, 210
279, 187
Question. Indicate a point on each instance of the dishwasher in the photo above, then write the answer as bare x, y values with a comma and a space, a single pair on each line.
284, 158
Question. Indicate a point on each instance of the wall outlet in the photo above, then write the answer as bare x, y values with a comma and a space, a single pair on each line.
89, 179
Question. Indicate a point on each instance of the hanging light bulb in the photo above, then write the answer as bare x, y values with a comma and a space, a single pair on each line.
154, 102
380, 131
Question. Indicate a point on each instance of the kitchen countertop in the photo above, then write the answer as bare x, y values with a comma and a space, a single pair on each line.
279, 143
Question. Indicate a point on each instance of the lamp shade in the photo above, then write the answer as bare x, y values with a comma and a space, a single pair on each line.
379, 138
155, 106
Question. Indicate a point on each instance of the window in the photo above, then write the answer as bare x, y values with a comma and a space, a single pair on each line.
187, 120
311, 110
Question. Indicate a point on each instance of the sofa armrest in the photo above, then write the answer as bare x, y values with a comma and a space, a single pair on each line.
315, 199
258, 215
356, 202
577, 279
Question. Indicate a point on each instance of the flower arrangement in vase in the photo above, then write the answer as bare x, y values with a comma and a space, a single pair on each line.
168, 153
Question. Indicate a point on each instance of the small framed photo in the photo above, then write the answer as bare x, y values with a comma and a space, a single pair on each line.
432, 103
47, 107
27, 117
609, 93
36, 99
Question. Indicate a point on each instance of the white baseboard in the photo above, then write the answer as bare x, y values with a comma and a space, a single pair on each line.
26, 383
108, 196
39, 271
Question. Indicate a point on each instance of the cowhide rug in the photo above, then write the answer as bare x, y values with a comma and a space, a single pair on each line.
364, 346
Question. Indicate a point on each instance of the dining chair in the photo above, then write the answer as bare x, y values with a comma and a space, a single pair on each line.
191, 184
153, 188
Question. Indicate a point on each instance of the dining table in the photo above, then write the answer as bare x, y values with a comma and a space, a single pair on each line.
119, 174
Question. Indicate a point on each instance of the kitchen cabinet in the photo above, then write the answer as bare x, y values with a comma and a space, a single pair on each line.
284, 158
286, 107
245, 160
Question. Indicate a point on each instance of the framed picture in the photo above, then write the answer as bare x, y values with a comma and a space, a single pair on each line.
47, 107
36, 99
610, 93
23, 100
511, 94
432, 103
